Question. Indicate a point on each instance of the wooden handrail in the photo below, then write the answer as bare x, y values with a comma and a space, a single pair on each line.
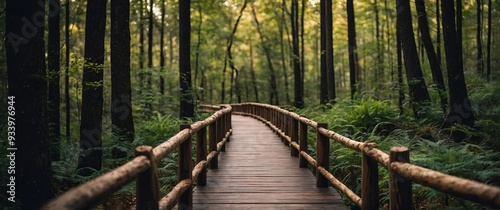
143, 168
277, 118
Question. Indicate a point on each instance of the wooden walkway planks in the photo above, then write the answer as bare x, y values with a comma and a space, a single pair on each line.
257, 172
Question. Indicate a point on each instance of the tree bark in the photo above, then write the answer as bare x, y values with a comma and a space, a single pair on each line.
162, 50
141, 46
273, 97
437, 74
252, 73
27, 89
327, 83
228, 55
353, 55
460, 110
197, 54
66, 74
479, 42
92, 90
149, 108
281, 27
401, 90
186, 96
121, 106
54, 69
416, 84
297, 72
459, 30
488, 43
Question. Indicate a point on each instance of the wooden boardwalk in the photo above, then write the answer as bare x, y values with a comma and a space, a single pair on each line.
257, 172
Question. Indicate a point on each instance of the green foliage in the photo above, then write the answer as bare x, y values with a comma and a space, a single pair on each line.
379, 122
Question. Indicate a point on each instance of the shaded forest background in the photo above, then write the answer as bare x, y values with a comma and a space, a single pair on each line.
260, 50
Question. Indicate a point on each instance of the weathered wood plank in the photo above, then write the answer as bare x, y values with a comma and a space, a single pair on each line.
257, 172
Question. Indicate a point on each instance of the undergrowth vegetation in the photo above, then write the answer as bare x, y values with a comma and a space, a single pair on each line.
477, 157
430, 145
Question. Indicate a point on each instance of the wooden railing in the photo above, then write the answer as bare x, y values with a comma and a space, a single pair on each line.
143, 168
293, 131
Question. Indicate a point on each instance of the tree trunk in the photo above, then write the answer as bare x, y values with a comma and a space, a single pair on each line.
281, 27
488, 43
121, 106
297, 73
162, 50
197, 54
437, 74
66, 74
92, 90
186, 97
379, 70
417, 87
479, 28
327, 83
274, 97
228, 53
149, 108
459, 31
27, 88
353, 55
460, 110
54, 69
141, 46
252, 73
401, 89
438, 32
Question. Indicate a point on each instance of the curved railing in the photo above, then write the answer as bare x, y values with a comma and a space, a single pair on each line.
143, 168
293, 131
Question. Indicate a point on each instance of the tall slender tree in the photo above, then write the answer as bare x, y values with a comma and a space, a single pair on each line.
54, 69
121, 106
282, 23
148, 109
27, 89
186, 96
436, 71
327, 82
273, 97
458, 25
488, 43
479, 38
92, 92
162, 49
66, 73
353, 55
297, 73
416, 83
459, 110
228, 56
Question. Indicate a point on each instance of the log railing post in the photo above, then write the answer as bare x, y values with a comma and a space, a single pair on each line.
220, 132
212, 144
322, 155
184, 170
283, 123
303, 144
400, 193
201, 154
369, 180
227, 125
294, 135
147, 185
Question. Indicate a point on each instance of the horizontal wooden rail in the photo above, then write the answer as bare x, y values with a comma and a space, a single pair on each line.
142, 168
279, 119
